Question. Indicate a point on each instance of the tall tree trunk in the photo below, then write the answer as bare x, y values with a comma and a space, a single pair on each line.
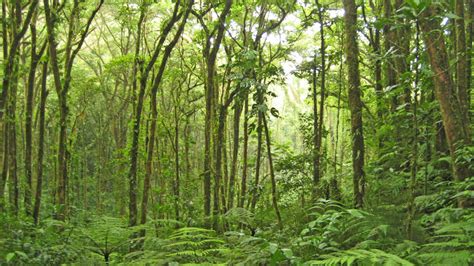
145, 72
210, 54
461, 66
235, 153
28, 118
3, 142
12, 150
469, 50
315, 190
272, 174
62, 85
138, 104
62, 156
355, 102
187, 133
19, 29
335, 191
376, 46
243, 186
39, 177
414, 155
176, 164
218, 161
5, 164
451, 111
318, 127
10, 50
256, 189
402, 52
389, 46
154, 111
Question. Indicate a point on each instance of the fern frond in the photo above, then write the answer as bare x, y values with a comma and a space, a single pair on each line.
364, 257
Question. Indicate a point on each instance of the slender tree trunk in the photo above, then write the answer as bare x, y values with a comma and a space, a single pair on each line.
39, 177
235, 153
11, 47
62, 87
28, 119
243, 186
62, 91
207, 151
376, 46
469, 50
402, 52
389, 45
210, 54
5, 163
3, 142
176, 165
19, 29
154, 111
12, 150
256, 185
378, 78
145, 71
187, 133
316, 175
218, 166
138, 104
272, 174
225, 165
355, 102
320, 125
336, 193
35, 58
62, 160
414, 159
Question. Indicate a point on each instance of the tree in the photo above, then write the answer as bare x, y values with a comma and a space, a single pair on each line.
62, 85
11, 44
41, 133
457, 132
236, 132
318, 128
35, 60
355, 103
153, 103
210, 54
461, 66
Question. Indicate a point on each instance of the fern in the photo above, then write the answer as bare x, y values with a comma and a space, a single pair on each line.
334, 227
360, 257
451, 242
240, 216
255, 250
184, 245
106, 235
463, 257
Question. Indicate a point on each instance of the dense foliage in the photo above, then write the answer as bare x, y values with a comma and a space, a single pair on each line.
236, 132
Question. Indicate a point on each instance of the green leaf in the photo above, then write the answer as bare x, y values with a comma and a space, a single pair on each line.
273, 248
10, 256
